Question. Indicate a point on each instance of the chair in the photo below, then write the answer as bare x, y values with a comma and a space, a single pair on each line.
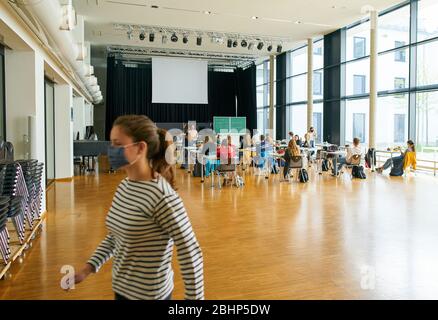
296, 163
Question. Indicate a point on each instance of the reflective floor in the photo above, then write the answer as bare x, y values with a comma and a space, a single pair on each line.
327, 239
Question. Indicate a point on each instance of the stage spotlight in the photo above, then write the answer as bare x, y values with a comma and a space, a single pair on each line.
199, 41
279, 48
251, 46
235, 43
151, 37
260, 46
270, 48
174, 38
229, 43
164, 39
141, 36
244, 44
185, 39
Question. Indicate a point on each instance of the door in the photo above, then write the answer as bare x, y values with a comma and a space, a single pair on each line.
50, 131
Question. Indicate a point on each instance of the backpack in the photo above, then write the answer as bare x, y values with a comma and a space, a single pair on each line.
369, 158
304, 176
197, 170
396, 171
357, 172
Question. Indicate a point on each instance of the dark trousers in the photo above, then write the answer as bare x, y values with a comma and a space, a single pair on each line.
120, 297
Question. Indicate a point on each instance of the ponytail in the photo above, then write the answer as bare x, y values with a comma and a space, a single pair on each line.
141, 128
160, 162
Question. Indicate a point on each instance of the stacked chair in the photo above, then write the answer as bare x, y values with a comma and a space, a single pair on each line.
20, 199
32, 172
4, 234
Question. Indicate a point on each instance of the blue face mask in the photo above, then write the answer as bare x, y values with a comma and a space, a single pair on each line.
116, 156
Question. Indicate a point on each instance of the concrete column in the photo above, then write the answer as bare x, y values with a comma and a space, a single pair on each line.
24, 84
373, 78
78, 117
271, 94
63, 131
310, 84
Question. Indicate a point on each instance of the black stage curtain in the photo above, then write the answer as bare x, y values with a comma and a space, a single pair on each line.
129, 91
247, 96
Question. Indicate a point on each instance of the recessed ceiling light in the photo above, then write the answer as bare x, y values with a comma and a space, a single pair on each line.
298, 22
207, 12
154, 7
254, 18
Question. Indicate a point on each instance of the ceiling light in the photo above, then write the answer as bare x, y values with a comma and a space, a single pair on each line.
164, 39
244, 43
229, 43
151, 37
207, 12
251, 46
298, 22
235, 43
260, 46
199, 40
185, 39
279, 48
129, 34
174, 38
270, 48
254, 17
154, 7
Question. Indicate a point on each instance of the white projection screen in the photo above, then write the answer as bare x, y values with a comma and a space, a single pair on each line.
179, 80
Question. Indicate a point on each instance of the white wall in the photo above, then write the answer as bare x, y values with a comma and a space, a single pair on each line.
24, 84
89, 114
63, 132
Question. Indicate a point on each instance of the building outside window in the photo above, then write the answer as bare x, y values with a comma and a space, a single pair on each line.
359, 47
359, 84
359, 126
400, 55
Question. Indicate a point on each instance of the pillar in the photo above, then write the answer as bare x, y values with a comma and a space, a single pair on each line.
310, 84
271, 95
373, 79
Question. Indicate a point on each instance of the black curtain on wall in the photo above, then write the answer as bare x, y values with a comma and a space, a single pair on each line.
247, 96
129, 91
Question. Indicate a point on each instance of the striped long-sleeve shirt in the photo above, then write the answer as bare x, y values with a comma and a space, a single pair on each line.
145, 220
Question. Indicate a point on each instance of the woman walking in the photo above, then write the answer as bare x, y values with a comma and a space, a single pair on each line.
147, 217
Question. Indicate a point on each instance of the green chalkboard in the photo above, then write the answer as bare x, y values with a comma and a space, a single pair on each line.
228, 124
221, 124
238, 124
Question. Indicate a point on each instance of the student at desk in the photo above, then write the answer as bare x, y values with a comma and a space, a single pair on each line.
246, 146
225, 153
206, 149
292, 151
400, 163
356, 149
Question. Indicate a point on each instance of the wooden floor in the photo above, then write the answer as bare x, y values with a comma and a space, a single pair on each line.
327, 239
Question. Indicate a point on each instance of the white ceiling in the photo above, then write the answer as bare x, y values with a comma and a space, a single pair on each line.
276, 18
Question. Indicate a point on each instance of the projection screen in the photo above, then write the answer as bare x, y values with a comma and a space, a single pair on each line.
179, 80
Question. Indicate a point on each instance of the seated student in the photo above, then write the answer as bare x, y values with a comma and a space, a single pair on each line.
205, 150
291, 135
401, 162
355, 150
292, 151
298, 140
246, 146
226, 153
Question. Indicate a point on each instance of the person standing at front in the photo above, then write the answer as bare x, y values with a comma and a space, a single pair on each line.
147, 217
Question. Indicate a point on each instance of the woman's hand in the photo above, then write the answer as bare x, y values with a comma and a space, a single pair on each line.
84, 273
